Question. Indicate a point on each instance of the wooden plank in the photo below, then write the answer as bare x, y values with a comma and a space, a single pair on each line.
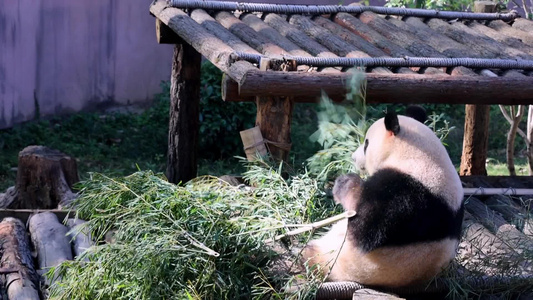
393, 88
182, 154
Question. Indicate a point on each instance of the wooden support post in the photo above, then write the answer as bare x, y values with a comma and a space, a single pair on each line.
476, 135
184, 114
274, 115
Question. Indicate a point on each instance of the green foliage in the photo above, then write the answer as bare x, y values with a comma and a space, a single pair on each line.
205, 240
220, 122
118, 143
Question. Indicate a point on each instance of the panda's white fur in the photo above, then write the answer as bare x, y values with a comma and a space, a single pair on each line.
398, 150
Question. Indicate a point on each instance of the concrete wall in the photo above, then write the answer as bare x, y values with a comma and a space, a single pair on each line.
66, 56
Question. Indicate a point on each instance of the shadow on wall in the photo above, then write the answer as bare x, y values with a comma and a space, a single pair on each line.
64, 56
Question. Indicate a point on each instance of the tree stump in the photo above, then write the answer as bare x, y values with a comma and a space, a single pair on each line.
18, 273
44, 179
50, 241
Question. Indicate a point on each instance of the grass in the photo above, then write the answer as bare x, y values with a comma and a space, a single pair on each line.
205, 240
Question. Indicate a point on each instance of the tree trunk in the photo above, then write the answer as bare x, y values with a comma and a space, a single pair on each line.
50, 241
475, 140
44, 179
184, 114
19, 275
514, 120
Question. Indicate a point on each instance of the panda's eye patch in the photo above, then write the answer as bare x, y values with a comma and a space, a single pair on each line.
366, 146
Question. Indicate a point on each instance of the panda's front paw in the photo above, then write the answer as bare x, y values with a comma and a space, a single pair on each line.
347, 190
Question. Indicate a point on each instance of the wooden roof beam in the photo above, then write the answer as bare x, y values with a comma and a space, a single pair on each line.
211, 47
383, 88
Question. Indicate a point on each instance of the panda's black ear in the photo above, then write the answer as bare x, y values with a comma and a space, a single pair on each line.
416, 112
391, 123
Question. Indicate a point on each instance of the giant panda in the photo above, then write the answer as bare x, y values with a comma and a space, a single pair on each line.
409, 210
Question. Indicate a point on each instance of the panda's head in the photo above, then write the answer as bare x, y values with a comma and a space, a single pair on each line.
407, 145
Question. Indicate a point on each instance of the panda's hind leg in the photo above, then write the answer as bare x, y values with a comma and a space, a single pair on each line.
347, 191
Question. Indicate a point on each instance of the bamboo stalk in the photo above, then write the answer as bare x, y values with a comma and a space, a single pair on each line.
315, 225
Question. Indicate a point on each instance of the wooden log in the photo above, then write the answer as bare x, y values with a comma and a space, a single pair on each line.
79, 236
400, 37
50, 241
18, 274
273, 35
8, 197
366, 32
325, 37
370, 294
511, 236
498, 25
472, 39
524, 25
211, 25
512, 43
44, 179
230, 93
165, 35
184, 114
512, 212
445, 45
366, 47
296, 36
25, 214
393, 88
482, 252
215, 50
256, 40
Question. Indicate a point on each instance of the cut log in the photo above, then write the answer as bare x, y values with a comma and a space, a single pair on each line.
44, 179
79, 236
18, 274
50, 241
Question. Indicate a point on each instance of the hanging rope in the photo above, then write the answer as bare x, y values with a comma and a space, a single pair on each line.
331, 9
476, 63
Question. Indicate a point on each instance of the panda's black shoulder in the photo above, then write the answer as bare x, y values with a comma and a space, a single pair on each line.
396, 209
